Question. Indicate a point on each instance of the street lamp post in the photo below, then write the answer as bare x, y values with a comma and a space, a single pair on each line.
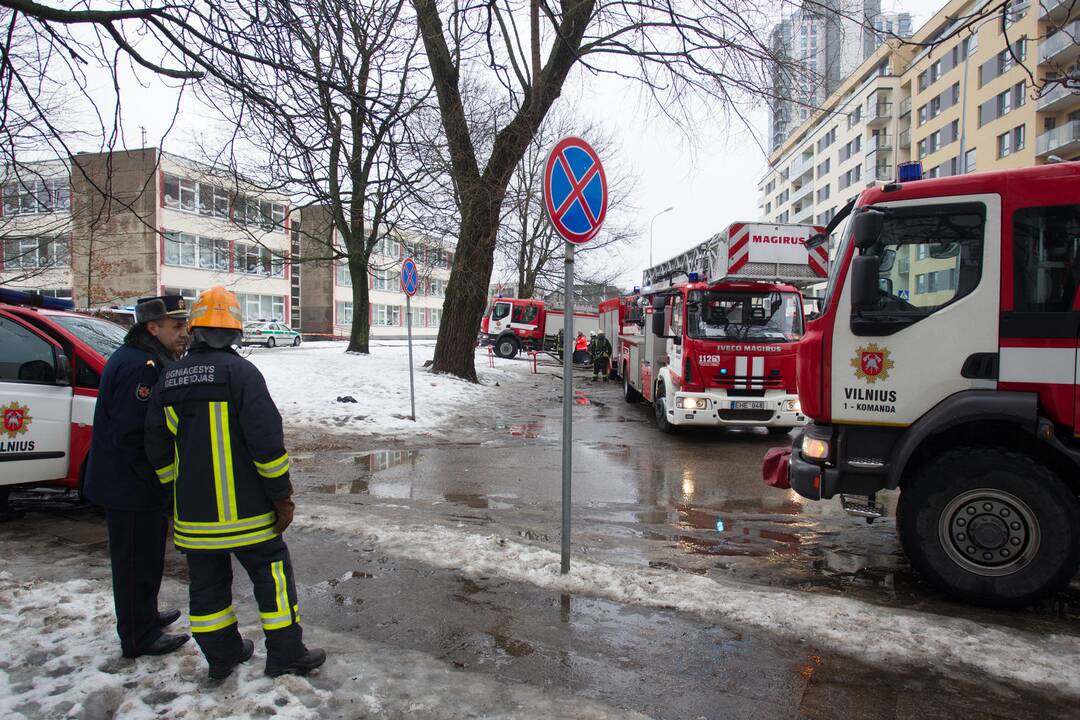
667, 209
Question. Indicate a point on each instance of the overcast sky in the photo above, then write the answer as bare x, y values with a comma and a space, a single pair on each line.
710, 179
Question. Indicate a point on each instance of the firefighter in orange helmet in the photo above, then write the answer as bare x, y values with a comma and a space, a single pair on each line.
213, 432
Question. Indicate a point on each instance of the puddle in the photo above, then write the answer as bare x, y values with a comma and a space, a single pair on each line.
529, 429
377, 460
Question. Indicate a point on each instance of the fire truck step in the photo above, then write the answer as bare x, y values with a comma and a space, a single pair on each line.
862, 507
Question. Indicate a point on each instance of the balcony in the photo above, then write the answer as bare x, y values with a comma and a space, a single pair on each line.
878, 172
1055, 11
905, 106
1057, 99
806, 191
877, 114
801, 166
905, 139
1061, 49
1062, 140
806, 215
880, 142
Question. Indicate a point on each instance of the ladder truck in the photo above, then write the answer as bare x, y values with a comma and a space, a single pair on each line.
945, 364
709, 339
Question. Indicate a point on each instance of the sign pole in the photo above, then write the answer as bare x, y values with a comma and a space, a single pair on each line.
412, 387
568, 402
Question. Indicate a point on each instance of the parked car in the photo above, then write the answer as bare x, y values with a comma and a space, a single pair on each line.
269, 334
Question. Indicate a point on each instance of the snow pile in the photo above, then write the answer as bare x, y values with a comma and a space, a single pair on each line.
59, 658
306, 383
879, 634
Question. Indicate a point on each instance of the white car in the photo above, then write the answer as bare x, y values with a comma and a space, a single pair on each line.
269, 334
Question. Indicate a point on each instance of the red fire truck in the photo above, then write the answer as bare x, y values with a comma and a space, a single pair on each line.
514, 324
945, 363
718, 347
51, 360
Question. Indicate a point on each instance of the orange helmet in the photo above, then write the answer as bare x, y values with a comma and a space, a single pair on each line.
216, 308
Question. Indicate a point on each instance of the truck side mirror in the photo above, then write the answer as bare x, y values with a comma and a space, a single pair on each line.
658, 320
866, 227
816, 240
865, 290
63, 369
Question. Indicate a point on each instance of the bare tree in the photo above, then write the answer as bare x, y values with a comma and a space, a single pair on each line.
677, 51
336, 137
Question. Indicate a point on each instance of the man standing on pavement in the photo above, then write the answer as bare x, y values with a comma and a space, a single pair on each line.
213, 430
601, 357
119, 476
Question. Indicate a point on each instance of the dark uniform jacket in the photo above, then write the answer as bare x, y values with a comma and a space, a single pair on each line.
213, 430
118, 473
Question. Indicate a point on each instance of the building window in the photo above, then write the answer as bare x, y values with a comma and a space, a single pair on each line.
264, 214
923, 117
433, 317
36, 253
254, 259
823, 194
344, 277
262, 307
387, 315
935, 72
37, 197
955, 92
387, 247
823, 169
436, 287
382, 279
1013, 12
343, 313
969, 161
190, 295
1010, 142
188, 250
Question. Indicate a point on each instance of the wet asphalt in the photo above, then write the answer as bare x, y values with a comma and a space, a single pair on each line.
691, 502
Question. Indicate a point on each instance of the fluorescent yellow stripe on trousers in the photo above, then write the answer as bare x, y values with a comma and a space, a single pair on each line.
214, 621
282, 617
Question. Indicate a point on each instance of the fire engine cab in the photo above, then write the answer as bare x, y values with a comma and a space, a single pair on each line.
945, 363
514, 324
51, 360
710, 337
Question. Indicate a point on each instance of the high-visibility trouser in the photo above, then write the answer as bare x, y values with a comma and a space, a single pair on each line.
213, 620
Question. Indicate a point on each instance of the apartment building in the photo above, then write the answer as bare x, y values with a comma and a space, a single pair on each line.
326, 290
107, 228
955, 101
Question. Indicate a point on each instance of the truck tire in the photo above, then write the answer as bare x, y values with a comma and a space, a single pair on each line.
629, 393
990, 527
660, 410
507, 347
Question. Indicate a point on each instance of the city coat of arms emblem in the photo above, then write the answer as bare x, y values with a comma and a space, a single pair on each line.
872, 363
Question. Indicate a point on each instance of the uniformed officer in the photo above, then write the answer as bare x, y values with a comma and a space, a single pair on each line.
119, 476
601, 353
213, 430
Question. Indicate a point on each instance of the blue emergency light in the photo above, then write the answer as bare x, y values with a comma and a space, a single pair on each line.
723, 371
909, 171
636, 289
35, 299
692, 276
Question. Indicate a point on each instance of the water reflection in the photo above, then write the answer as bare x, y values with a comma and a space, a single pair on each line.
377, 460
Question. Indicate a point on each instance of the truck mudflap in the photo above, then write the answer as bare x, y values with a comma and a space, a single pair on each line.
776, 466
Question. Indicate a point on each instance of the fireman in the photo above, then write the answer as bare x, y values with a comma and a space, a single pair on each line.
213, 431
601, 356
581, 349
120, 479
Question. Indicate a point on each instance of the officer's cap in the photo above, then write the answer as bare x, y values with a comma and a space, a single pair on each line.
161, 307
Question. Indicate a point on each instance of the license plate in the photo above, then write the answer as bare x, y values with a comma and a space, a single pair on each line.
747, 405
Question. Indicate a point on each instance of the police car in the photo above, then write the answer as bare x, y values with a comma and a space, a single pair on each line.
51, 360
269, 334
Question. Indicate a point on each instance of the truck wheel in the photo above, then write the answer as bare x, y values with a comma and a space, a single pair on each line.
629, 393
660, 409
991, 527
507, 348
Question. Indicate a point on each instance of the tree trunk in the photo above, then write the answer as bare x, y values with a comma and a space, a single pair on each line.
360, 330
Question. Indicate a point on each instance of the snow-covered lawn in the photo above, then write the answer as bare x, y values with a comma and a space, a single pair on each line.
883, 635
306, 383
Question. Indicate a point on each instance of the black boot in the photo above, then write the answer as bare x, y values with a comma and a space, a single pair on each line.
302, 665
220, 671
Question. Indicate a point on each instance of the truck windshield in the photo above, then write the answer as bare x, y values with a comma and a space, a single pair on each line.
102, 335
843, 239
768, 316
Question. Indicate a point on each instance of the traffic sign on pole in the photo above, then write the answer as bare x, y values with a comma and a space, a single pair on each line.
575, 190
576, 198
410, 281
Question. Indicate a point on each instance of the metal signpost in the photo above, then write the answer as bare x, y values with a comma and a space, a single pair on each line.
410, 281
576, 198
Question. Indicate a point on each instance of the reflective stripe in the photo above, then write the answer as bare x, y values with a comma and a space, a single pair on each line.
274, 468
213, 621
172, 420
282, 617
221, 449
205, 528
221, 543
166, 474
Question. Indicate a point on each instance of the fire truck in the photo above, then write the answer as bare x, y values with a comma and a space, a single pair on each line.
945, 363
51, 360
710, 337
512, 325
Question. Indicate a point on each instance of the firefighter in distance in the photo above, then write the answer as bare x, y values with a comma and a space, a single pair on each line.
213, 432
601, 354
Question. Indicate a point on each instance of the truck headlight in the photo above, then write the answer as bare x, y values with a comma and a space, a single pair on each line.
792, 406
815, 448
689, 403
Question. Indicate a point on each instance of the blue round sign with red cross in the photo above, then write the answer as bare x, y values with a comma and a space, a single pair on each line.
410, 278
575, 190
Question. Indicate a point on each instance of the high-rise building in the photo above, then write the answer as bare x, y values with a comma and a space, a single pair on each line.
817, 47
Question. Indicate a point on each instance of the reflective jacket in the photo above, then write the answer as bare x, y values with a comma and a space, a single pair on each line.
213, 430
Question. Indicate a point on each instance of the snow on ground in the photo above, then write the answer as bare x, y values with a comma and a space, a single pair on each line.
59, 658
306, 383
882, 635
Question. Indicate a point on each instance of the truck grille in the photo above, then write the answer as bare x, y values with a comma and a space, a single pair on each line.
751, 382
746, 415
